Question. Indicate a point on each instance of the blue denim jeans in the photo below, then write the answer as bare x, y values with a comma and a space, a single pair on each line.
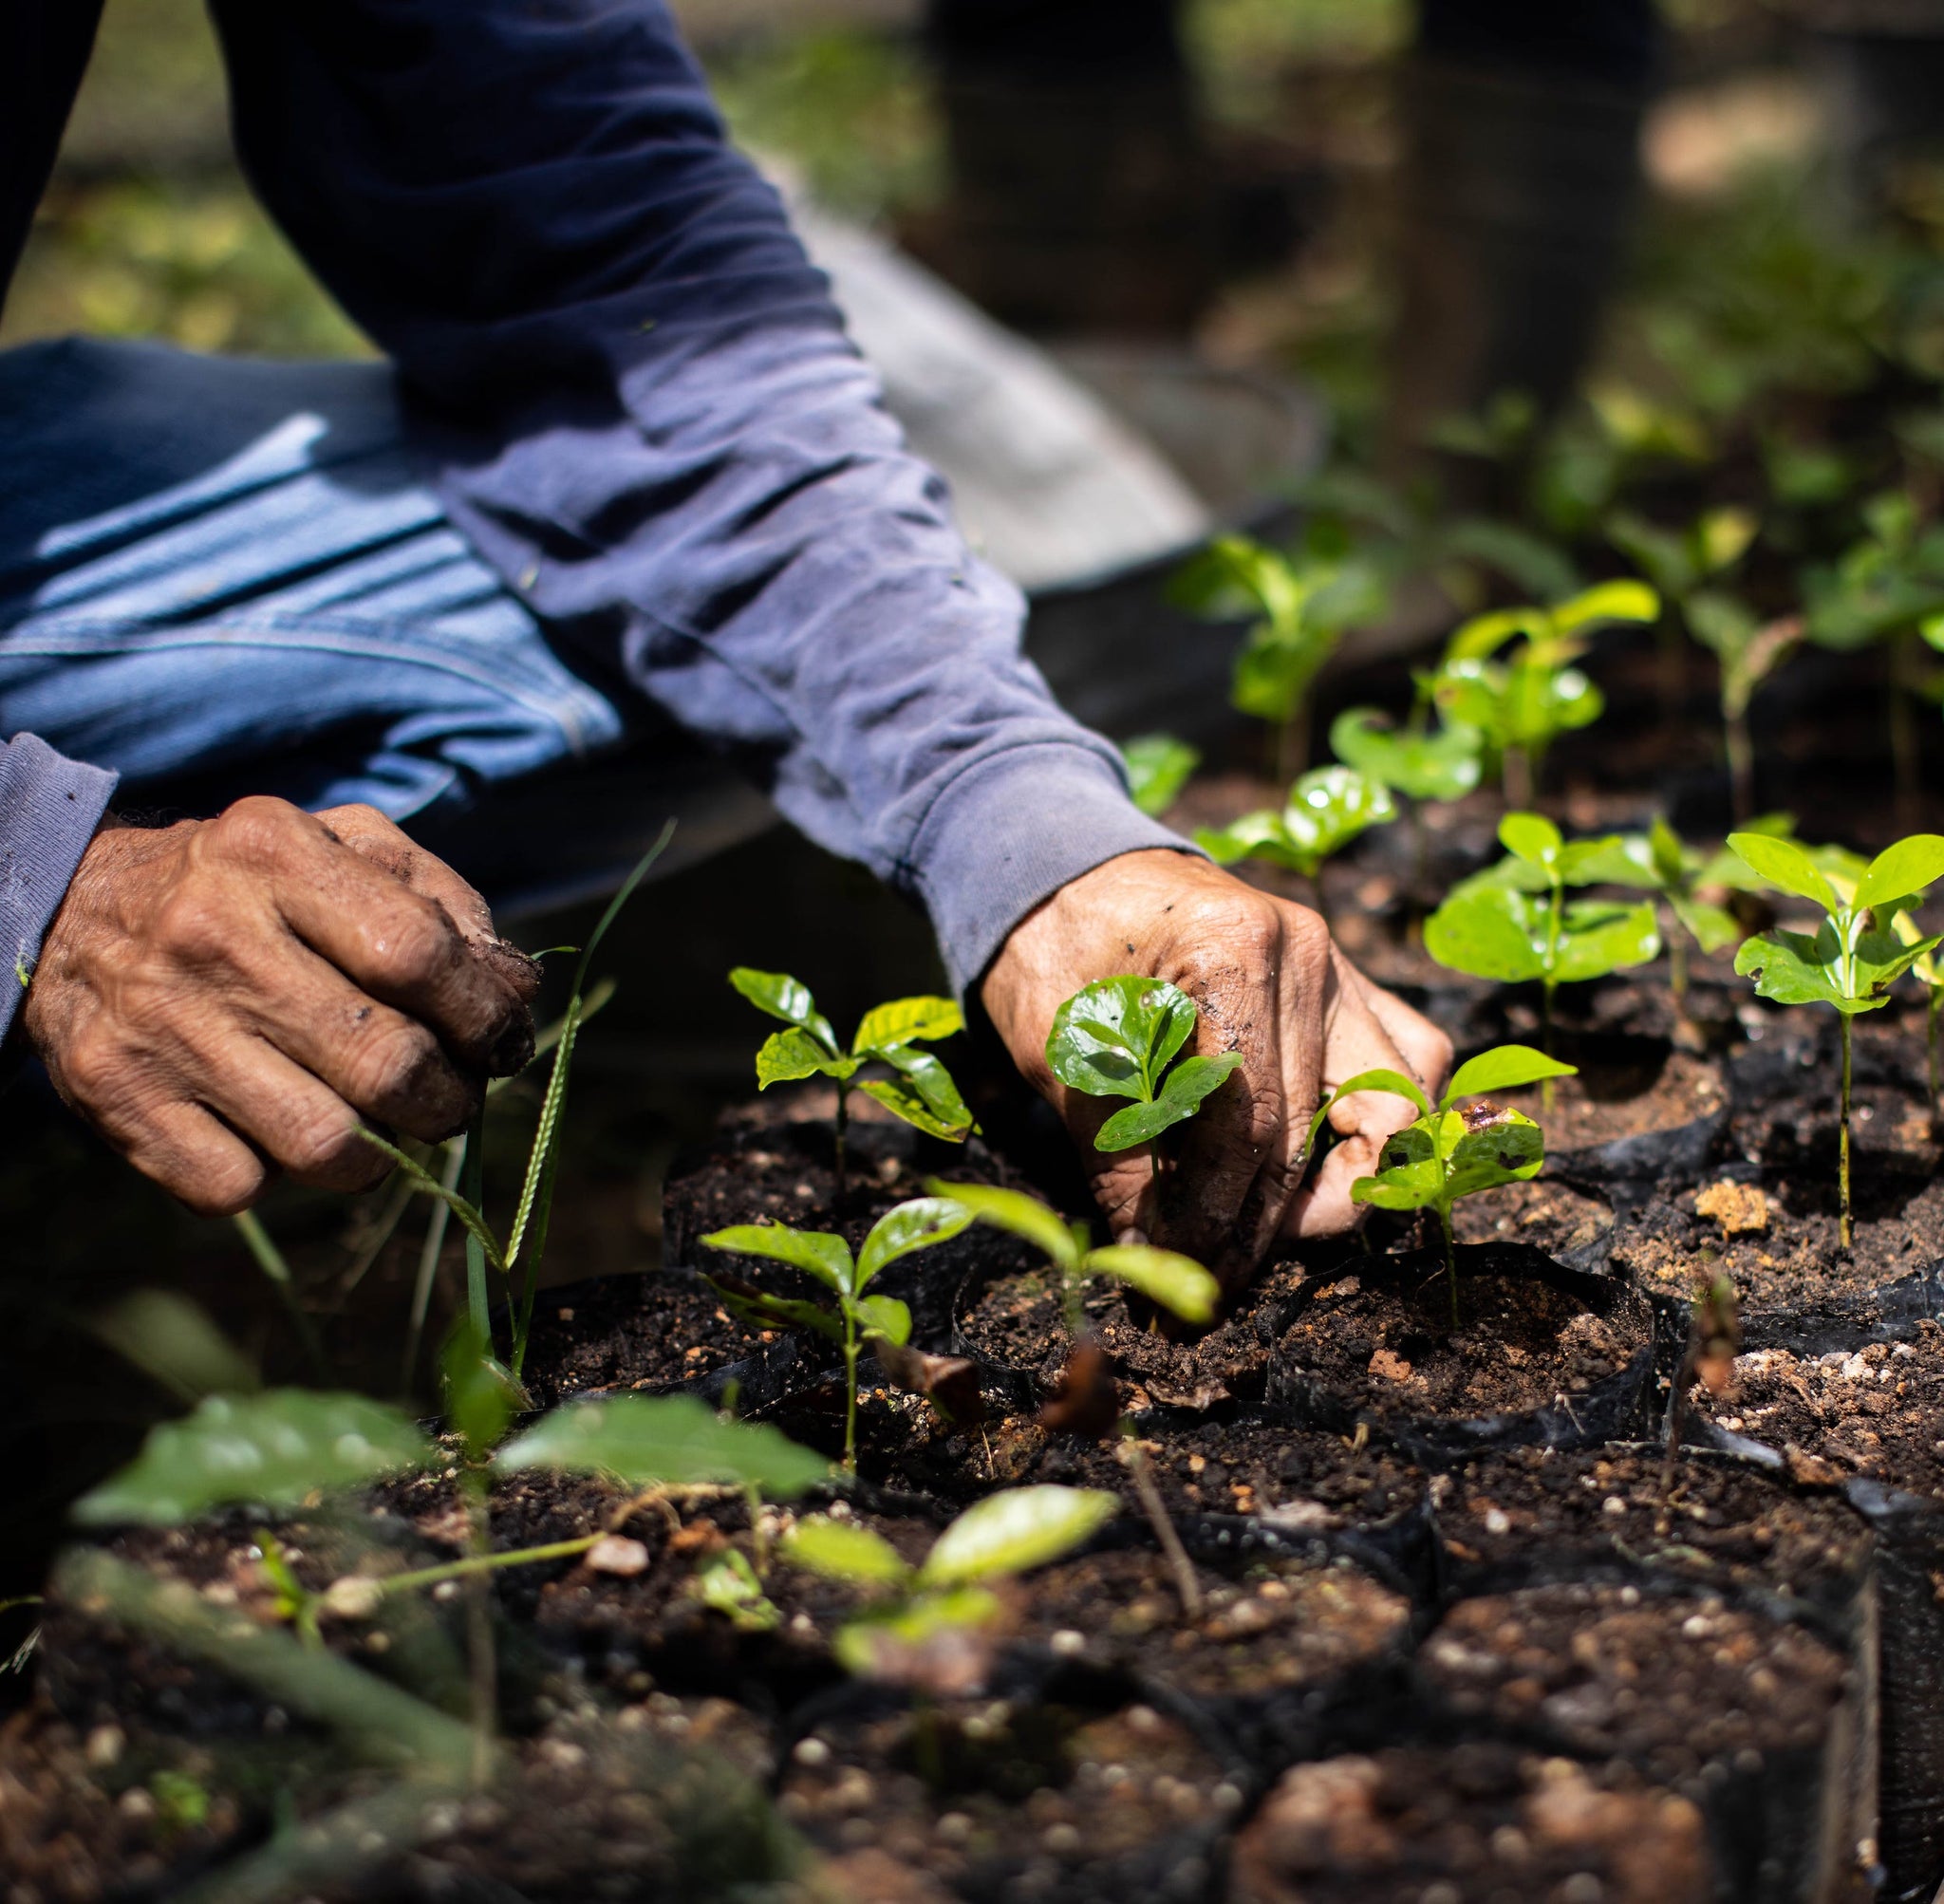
221, 577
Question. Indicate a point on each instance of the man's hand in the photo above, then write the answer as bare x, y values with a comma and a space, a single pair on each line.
226, 996
1270, 984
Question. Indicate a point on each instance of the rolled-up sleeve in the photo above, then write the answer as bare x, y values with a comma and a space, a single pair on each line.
49, 807
651, 422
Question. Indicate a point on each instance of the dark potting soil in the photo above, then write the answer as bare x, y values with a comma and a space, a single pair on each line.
1474, 1820
1672, 1684
1553, 1216
1380, 1341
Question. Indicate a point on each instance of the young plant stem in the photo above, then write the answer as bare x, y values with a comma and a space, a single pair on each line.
1290, 743
269, 1259
1516, 774
1451, 1258
1676, 1420
482, 1664
850, 1392
1741, 764
1186, 1585
1843, 1168
473, 1187
1677, 968
1930, 1015
428, 1261
486, 1564
842, 1124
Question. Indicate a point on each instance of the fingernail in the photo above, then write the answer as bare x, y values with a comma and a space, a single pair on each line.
1135, 1239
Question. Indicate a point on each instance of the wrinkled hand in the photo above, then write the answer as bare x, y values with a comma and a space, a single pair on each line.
1271, 985
224, 997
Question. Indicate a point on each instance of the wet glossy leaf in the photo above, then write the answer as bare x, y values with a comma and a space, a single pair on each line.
1508, 1151
1178, 1283
647, 1441
1021, 1215
784, 1057
1379, 1080
906, 1021
886, 1316
1503, 1068
1113, 1037
917, 1224
1010, 1532
1411, 1178
927, 1076
272, 1449
1159, 766
784, 997
1786, 865
1792, 967
1259, 836
903, 1099
1182, 1094
1596, 938
761, 1310
841, 1550
1488, 934
1901, 871
1531, 837
816, 1252
1329, 807
1442, 765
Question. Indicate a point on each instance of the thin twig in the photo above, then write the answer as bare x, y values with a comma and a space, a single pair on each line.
1156, 1510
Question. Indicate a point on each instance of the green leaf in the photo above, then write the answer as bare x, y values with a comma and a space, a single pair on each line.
726, 1583
1596, 937
906, 1021
1159, 766
842, 1550
1378, 1079
1438, 766
1898, 870
1793, 968
917, 1224
884, 1645
1509, 1152
1010, 1532
1710, 926
1503, 1068
788, 998
1607, 601
272, 1449
765, 1311
784, 1057
1618, 859
816, 1252
903, 1099
1263, 835
1486, 934
1116, 1032
1021, 1215
1484, 635
1179, 1284
1329, 807
1412, 1183
1181, 1093
932, 1084
1784, 864
886, 1316
1531, 837
675, 1440
1669, 859
480, 1392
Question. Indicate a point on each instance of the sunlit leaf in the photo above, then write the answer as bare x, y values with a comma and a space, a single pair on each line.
1597, 938
1178, 1283
784, 1057
1486, 934
842, 1550
904, 1099
1159, 766
1010, 1532
726, 1583
1113, 1033
272, 1449
1784, 864
906, 1021
1377, 1079
784, 997
886, 1316
646, 1441
932, 1083
816, 1252
1530, 836
1510, 1150
1182, 1094
1607, 601
1504, 1068
1902, 869
1442, 765
1021, 1215
916, 1224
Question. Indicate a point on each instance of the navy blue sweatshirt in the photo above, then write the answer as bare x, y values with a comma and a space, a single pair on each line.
650, 422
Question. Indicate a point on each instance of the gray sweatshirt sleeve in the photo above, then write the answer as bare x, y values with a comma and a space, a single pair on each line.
653, 426
49, 807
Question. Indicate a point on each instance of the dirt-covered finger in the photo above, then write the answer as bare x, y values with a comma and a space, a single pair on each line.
191, 1153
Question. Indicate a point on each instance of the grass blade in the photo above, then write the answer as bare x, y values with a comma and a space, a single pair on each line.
428, 1259
269, 1259
467, 1212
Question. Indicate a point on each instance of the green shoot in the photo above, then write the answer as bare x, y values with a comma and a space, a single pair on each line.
1513, 923
1680, 563
1177, 1282
1302, 603
859, 1318
1454, 1148
920, 1090
1748, 650
1855, 954
934, 1607
1122, 1037
1523, 703
1327, 809
1159, 766
269, 1259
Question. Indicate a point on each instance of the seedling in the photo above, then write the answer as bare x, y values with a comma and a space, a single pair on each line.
1855, 954
1523, 703
1454, 1148
1177, 1282
1304, 603
1680, 563
1327, 809
1748, 650
1715, 1339
1122, 1037
1440, 765
859, 1316
1159, 766
918, 1634
920, 1090
1514, 924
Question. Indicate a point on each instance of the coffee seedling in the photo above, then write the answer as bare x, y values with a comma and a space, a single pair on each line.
917, 1636
1748, 650
1177, 1282
1454, 1148
1122, 1037
1439, 765
1855, 954
1327, 809
920, 1090
1159, 766
859, 1318
1680, 563
1520, 704
1513, 923
1304, 603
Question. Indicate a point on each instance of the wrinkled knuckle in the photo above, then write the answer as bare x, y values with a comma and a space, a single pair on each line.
256, 832
413, 941
392, 1066
326, 1146
223, 1186
1307, 937
194, 928
91, 1071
